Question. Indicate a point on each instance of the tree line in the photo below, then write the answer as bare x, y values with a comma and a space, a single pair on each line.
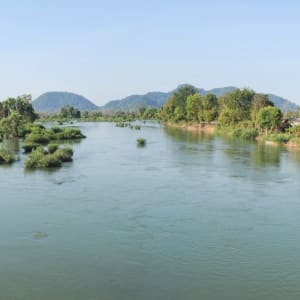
239, 108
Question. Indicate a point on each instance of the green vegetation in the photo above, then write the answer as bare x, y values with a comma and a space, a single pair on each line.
42, 159
141, 142
6, 157
17, 118
240, 113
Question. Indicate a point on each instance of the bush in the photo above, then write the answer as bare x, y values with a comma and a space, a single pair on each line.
67, 133
280, 138
39, 138
49, 161
52, 148
245, 134
141, 142
137, 127
6, 157
29, 147
39, 158
64, 154
33, 161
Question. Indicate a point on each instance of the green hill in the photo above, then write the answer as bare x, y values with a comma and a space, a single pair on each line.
157, 99
54, 101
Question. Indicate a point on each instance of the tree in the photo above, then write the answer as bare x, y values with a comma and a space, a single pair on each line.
193, 106
175, 106
70, 112
235, 106
21, 105
269, 118
209, 108
259, 101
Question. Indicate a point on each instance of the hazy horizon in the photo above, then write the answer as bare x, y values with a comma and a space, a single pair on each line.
106, 51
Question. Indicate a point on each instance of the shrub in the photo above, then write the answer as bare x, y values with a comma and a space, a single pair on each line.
64, 154
141, 142
6, 157
34, 158
29, 147
52, 148
67, 133
39, 138
280, 138
39, 158
245, 134
137, 127
49, 161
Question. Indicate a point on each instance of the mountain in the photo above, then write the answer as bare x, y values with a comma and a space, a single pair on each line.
54, 101
157, 99
283, 104
133, 102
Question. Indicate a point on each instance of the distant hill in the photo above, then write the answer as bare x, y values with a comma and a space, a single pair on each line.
157, 99
283, 104
54, 101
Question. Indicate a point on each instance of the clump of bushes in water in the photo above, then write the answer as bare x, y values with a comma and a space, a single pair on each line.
141, 142
41, 158
28, 147
6, 157
129, 125
52, 148
45, 136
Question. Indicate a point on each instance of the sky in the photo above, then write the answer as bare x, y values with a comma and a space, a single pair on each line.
108, 50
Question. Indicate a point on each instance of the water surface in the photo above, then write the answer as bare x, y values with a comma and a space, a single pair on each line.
187, 217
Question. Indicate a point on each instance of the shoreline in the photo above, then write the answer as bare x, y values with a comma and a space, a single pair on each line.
211, 128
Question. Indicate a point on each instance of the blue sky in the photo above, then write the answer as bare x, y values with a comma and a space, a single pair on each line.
107, 50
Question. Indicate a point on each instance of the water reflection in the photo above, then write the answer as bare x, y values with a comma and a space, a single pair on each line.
266, 155
182, 135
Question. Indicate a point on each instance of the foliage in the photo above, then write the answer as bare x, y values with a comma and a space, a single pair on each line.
269, 118
6, 157
235, 107
40, 158
281, 138
141, 142
28, 147
70, 112
52, 148
64, 154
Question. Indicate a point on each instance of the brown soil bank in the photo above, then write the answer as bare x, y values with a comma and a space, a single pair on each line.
210, 129
207, 128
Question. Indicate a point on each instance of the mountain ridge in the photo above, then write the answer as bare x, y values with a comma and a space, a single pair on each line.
53, 101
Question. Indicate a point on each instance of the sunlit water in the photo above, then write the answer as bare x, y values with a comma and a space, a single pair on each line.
187, 217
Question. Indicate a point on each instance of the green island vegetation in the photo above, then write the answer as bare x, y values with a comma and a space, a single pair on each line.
242, 113
68, 114
17, 121
141, 142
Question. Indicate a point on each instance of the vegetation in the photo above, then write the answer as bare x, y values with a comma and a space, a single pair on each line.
41, 158
6, 157
17, 118
141, 142
241, 113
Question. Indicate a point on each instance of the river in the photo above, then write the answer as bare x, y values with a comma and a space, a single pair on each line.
189, 216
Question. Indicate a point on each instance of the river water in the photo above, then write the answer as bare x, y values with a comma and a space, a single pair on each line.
189, 216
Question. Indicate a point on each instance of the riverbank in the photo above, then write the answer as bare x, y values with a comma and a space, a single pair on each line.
289, 143
206, 128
